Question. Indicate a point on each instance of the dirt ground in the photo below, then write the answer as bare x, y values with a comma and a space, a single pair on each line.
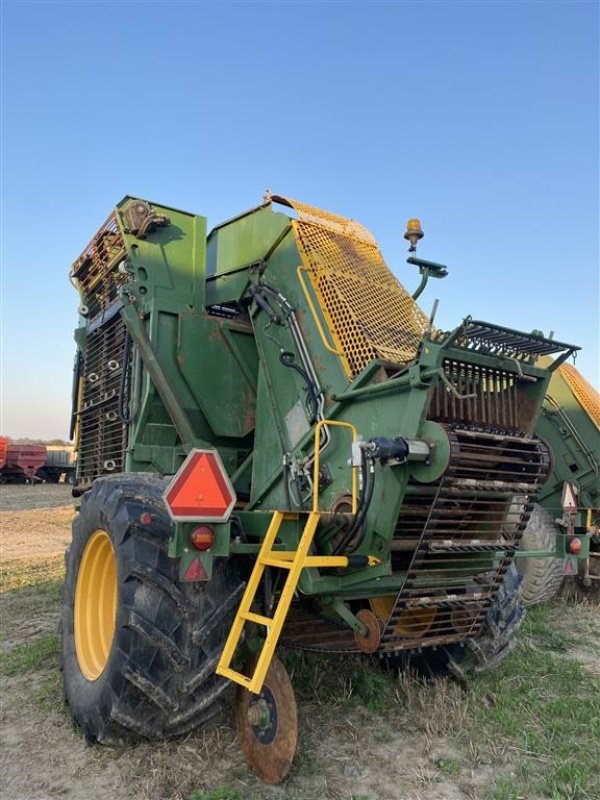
19, 496
347, 750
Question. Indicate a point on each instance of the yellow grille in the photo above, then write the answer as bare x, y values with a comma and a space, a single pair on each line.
586, 395
369, 313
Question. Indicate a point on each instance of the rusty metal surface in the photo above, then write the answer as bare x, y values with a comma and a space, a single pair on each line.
305, 630
270, 756
461, 535
370, 642
103, 435
498, 339
491, 396
468, 531
95, 272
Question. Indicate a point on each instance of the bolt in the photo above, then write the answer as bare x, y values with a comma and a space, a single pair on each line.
258, 714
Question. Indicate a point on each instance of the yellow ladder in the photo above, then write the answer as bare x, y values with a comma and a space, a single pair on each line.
294, 562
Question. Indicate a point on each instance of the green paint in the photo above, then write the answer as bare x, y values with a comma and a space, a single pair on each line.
207, 371
574, 441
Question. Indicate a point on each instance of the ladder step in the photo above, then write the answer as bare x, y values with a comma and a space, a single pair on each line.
267, 557
269, 561
284, 560
258, 618
236, 677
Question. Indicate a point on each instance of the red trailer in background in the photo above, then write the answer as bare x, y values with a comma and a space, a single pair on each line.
3, 449
22, 461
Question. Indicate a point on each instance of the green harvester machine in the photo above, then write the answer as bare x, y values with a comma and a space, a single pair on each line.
277, 447
569, 502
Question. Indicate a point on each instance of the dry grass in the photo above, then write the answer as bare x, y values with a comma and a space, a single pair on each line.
364, 734
22, 573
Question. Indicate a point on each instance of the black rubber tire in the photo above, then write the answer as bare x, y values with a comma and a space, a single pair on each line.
542, 577
159, 678
427, 663
498, 635
496, 640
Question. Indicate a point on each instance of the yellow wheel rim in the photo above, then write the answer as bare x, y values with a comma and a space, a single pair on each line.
412, 623
95, 605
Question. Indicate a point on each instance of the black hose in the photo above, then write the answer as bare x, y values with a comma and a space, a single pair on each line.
298, 483
77, 371
286, 485
288, 359
361, 513
125, 417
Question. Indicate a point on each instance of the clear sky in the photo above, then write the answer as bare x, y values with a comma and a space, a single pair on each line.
480, 118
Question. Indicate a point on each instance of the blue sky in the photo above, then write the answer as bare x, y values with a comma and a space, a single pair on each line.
479, 118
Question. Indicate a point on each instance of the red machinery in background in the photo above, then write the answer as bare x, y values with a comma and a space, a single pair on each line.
20, 462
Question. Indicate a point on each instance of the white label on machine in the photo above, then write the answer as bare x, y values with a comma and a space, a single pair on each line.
569, 497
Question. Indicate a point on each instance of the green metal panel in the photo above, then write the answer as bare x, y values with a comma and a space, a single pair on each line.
228, 353
217, 353
574, 440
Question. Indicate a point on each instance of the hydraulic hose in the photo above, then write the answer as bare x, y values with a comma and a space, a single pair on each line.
77, 371
287, 358
361, 512
125, 416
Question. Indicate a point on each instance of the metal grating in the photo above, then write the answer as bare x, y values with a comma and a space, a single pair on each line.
369, 313
497, 339
102, 434
490, 397
96, 273
587, 397
463, 535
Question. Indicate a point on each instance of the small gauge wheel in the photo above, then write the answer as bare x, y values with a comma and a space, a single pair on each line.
267, 723
369, 642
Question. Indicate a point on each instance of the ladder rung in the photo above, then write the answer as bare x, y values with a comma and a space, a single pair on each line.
258, 618
237, 677
267, 557
269, 561
284, 560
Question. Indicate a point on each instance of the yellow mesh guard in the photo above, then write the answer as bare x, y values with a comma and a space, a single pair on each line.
587, 397
369, 313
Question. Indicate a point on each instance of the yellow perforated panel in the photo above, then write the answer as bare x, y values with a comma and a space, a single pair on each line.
586, 395
369, 313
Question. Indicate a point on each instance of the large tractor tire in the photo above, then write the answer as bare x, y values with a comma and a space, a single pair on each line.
498, 635
139, 649
495, 641
542, 577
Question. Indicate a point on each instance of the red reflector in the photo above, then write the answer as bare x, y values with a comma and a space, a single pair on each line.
202, 537
146, 518
201, 490
195, 571
575, 546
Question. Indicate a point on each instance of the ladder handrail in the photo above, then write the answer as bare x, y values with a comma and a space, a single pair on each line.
318, 426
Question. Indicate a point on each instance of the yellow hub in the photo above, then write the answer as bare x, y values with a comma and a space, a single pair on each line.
95, 605
412, 623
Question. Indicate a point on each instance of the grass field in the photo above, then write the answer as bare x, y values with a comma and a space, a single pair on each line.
530, 729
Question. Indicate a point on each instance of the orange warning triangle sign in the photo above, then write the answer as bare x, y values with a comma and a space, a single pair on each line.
201, 490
